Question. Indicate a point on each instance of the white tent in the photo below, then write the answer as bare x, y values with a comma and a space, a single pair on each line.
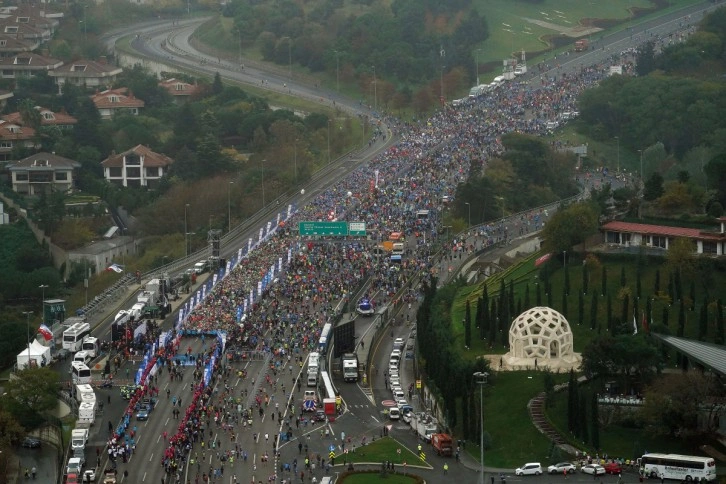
38, 353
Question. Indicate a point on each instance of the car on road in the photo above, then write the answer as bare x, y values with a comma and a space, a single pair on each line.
30, 443
613, 468
562, 468
143, 413
406, 416
529, 469
319, 416
593, 469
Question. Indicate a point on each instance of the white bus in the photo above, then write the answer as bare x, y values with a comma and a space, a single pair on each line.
74, 335
90, 346
679, 467
80, 373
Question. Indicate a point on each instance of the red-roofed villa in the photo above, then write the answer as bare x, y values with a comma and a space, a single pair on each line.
628, 234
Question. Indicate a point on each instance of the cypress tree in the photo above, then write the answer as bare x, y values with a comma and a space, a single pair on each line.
671, 288
703, 321
580, 308
623, 280
604, 281
637, 283
594, 422
567, 279
510, 299
527, 303
593, 312
624, 309
681, 319
538, 296
564, 304
692, 293
477, 316
664, 316
485, 321
467, 325
582, 415
679, 285
648, 312
718, 338
549, 296
609, 315
585, 278
656, 286
493, 323
572, 399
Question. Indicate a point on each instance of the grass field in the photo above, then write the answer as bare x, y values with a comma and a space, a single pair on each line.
369, 477
381, 450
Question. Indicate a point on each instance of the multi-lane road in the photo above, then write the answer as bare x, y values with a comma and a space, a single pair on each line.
170, 44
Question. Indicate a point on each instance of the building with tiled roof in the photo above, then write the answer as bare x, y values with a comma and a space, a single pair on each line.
137, 167
26, 64
62, 120
113, 101
179, 89
86, 73
11, 45
13, 135
629, 234
42, 173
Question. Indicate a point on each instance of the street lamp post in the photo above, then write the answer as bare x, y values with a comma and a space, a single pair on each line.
328, 141
375, 90
468, 206
337, 71
42, 288
263, 183
189, 243
618, 140
186, 231
229, 207
476, 61
27, 321
481, 380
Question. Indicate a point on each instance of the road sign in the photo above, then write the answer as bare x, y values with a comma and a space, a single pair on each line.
331, 448
357, 229
323, 228
332, 455
418, 384
422, 456
389, 403
309, 404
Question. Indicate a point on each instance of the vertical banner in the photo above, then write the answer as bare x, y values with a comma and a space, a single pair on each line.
279, 264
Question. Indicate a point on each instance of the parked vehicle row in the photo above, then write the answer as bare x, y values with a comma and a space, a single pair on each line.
564, 468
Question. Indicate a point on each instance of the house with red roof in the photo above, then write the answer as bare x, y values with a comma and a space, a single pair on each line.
137, 167
86, 73
629, 234
43, 173
14, 135
26, 64
179, 89
61, 120
114, 101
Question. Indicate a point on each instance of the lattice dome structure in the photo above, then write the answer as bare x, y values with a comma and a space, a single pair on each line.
540, 333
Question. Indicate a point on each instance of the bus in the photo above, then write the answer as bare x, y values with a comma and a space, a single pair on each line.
679, 467
327, 385
80, 373
90, 346
73, 336
324, 338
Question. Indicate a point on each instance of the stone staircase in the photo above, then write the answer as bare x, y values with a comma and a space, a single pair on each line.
537, 414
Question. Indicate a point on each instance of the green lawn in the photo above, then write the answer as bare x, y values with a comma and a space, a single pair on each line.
380, 450
514, 438
368, 477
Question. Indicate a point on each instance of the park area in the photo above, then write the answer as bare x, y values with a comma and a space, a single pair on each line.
519, 25
603, 280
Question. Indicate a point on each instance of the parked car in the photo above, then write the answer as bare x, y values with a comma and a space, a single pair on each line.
529, 469
613, 468
562, 468
30, 443
143, 413
593, 469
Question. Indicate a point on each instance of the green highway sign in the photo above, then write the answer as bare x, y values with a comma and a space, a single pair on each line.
340, 229
323, 228
357, 229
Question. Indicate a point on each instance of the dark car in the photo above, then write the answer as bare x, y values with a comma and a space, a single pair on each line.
143, 413
31, 443
319, 416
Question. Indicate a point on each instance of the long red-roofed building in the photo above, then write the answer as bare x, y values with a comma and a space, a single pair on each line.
630, 234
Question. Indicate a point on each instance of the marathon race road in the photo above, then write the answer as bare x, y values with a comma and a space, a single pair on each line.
240, 418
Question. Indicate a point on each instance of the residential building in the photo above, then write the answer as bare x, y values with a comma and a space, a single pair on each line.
114, 101
179, 89
13, 135
137, 167
4, 216
103, 253
13, 44
660, 237
42, 172
61, 120
26, 64
86, 73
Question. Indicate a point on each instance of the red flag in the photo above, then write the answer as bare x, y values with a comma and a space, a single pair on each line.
45, 332
542, 260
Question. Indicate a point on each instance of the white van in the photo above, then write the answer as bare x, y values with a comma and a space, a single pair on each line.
200, 267
82, 356
394, 413
79, 438
398, 248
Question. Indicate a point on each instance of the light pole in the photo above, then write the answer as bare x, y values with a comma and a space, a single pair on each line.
188, 243
27, 321
337, 71
186, 232
229, 207
294, 146
42, 288
263, 183
476, 61
375, 90
618, 140
329, 141
468, 206
481, 380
